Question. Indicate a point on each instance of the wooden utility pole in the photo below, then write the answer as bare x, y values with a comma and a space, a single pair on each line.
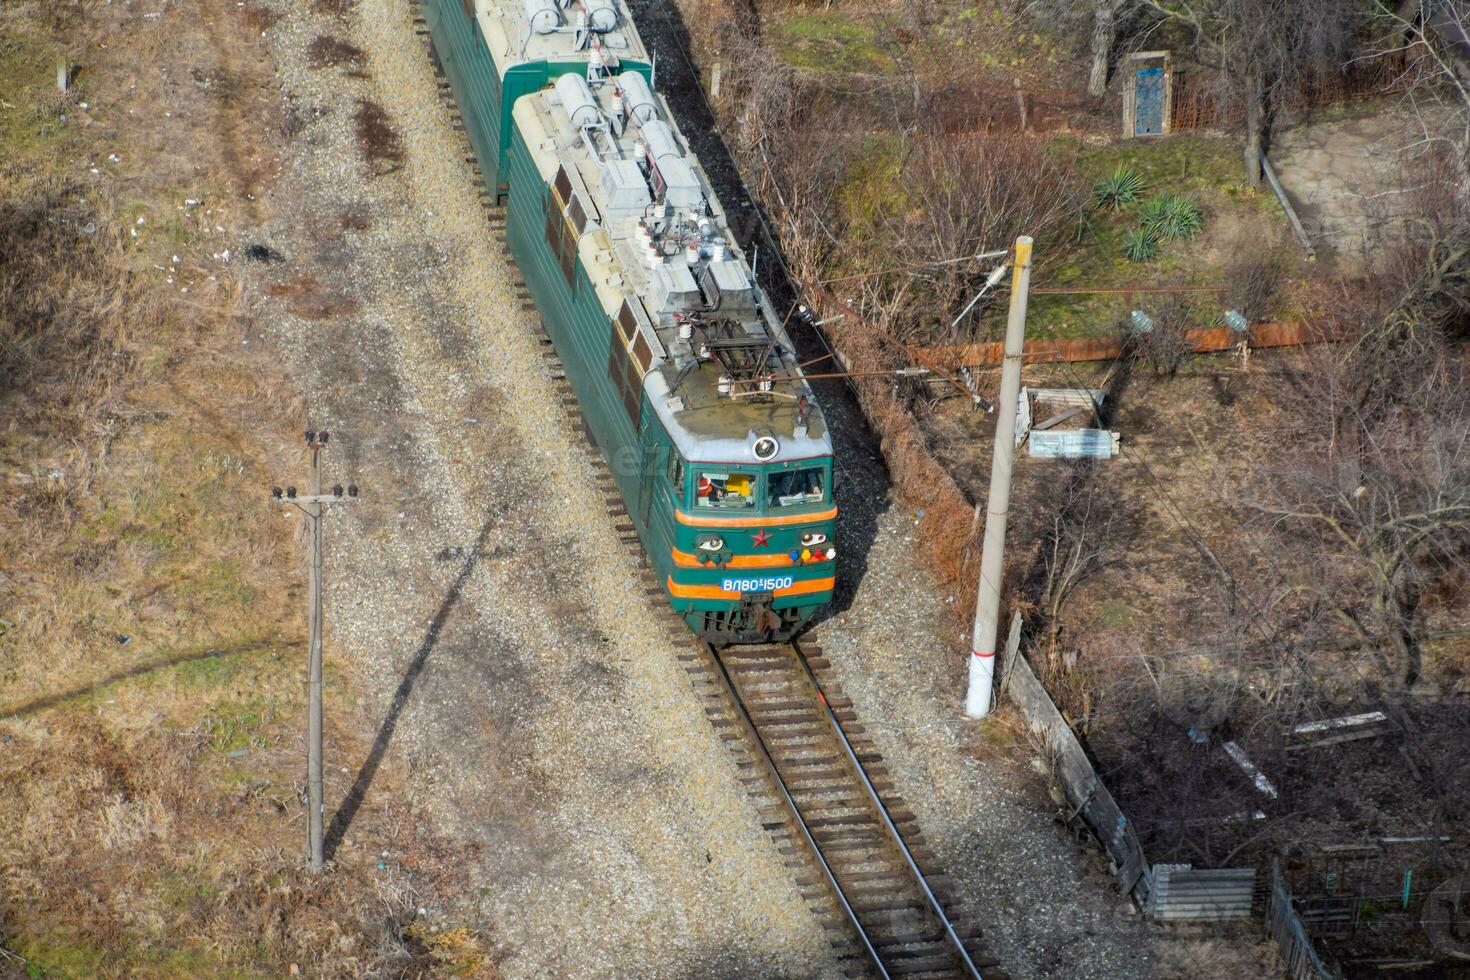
314, 505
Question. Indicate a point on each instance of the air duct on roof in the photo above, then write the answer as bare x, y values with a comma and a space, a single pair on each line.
602, 15
544, 15
637, 97
579, 102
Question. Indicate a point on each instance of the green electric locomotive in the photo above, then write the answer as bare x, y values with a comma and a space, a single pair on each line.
687, 379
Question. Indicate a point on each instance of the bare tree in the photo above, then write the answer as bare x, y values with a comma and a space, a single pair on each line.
1105, 16
1436, 36
1262, 49
1087, 535
1374, 501
1104, 30
1163, 345
963, 195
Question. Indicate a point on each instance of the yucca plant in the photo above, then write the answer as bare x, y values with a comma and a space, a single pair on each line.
1171, 217
1140, 246
1118, 190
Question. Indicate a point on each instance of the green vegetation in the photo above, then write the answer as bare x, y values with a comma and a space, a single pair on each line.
31, 108
61, 953
1114, 614
1171, 218
871, 189
829, 41
1140, 246
1104, 250
1119, 190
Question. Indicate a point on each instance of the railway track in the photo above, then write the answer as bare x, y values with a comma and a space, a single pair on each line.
823, 793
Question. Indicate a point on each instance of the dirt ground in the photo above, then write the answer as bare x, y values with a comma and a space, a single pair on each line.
150, 607
1142, 654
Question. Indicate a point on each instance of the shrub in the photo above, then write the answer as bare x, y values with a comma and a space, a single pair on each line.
1171, 217
1165, 345
1140, 246
1118, 190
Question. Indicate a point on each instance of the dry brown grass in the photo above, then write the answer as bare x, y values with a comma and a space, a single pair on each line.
150, 634
112, 838
259, 18
67, 304
334, 8
326, 51
312, 301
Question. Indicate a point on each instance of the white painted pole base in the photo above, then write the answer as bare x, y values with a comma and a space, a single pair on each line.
982, 677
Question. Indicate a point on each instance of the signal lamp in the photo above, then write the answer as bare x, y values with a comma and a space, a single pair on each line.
704, 559
290, 493
806, 554
352, 489
322, 437
337, 490
794, 556
275, 493
310, 436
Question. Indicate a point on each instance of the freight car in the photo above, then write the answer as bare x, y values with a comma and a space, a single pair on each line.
687, 379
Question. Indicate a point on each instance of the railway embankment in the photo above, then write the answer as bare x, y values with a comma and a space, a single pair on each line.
518, 670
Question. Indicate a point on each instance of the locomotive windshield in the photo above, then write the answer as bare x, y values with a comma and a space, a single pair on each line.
789, 488
725, 490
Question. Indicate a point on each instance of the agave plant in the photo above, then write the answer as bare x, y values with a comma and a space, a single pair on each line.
1118, 190
1171, 217
1140, 246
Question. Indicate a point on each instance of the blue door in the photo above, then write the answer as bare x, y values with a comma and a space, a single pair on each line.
1148, 89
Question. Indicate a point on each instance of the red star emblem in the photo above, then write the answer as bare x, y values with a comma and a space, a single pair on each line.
759, 538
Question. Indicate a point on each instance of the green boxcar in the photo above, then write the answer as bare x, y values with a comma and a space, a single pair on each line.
485, 91
755, 574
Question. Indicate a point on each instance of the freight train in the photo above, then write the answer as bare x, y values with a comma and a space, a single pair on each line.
687, 379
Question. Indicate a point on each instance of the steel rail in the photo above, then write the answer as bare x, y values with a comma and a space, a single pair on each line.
774, 773
877, 802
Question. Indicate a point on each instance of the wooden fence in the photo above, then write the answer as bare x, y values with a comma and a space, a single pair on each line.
1084, 788
1302, 961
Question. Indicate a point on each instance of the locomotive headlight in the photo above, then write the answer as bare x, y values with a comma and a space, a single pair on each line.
709, 542
811, 539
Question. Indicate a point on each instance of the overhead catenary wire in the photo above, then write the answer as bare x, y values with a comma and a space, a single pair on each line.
973, 257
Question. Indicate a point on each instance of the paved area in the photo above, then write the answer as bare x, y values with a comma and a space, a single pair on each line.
1342, 173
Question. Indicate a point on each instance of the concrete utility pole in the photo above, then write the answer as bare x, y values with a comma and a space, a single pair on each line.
313, 505
997, 504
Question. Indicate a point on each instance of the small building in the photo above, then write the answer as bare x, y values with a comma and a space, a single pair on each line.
1148, 93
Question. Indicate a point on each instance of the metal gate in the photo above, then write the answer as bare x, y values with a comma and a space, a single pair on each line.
1148, 119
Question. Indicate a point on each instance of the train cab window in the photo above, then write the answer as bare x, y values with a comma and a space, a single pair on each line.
789, 488
725, 490
676, 476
